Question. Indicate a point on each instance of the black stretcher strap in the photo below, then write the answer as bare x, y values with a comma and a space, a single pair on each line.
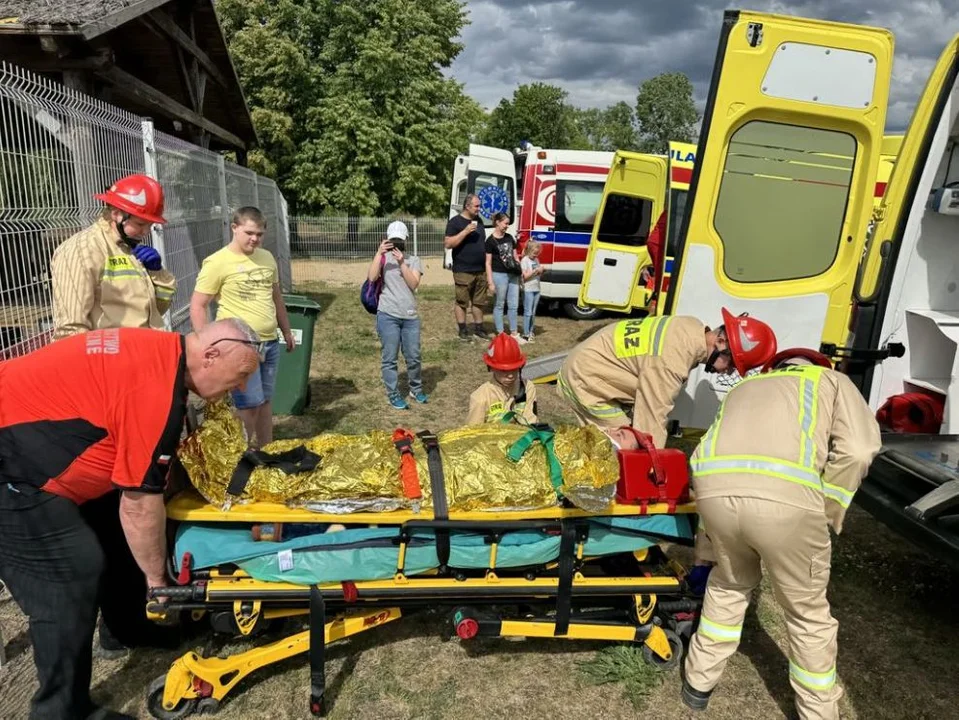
317, 652
438, 492
567, 565
297, 460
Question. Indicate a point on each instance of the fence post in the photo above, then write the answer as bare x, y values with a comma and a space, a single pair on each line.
415, 242
156, 231
256, 191
224, 200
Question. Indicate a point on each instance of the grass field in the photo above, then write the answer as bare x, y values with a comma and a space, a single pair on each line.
898, 625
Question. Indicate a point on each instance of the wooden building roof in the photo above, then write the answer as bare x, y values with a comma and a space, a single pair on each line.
164, 59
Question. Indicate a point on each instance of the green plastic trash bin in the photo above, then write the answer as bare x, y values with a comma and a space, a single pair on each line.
292, 392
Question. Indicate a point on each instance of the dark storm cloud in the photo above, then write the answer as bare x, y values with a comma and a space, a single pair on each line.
601, 50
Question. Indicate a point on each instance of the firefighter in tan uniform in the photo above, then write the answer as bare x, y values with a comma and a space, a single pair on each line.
506, 392
776, 470
644, 362
103, 277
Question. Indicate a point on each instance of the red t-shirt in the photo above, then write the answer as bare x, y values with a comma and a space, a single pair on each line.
94, 411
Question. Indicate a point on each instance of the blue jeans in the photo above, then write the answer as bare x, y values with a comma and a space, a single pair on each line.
395, 332
530, 301
507, 292
259, 388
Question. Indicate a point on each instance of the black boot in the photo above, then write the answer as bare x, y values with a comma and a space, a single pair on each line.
695, 699
108, 647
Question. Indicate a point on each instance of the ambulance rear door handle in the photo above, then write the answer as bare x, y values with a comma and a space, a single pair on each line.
611, 262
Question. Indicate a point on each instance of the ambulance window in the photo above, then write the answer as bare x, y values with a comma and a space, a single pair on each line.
495, 193
577, 202
677, 210
782, 201
460, 194
625, 220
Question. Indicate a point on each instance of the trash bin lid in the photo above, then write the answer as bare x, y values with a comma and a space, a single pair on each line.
301, 302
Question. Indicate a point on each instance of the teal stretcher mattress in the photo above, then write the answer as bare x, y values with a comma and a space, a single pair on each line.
371, 553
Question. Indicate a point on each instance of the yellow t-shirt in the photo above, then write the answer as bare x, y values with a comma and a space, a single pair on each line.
243, 285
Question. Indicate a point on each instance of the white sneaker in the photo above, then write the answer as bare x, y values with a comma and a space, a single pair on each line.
519, 338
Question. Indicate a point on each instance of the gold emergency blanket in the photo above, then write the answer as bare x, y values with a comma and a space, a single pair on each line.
362, 472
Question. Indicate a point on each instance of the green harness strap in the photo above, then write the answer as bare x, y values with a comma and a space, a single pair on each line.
544, 438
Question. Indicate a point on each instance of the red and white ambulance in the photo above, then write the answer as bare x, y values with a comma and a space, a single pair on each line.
551, 196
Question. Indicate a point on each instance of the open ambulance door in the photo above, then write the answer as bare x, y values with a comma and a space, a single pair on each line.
782, 190
907, 299
490, 173
633, 200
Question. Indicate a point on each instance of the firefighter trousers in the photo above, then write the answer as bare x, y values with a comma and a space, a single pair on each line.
795, 547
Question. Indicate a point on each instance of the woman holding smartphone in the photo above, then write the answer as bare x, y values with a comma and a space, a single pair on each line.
503, 274
397, 318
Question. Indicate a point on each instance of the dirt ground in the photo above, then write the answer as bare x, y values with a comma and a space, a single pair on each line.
342, 274
898, 626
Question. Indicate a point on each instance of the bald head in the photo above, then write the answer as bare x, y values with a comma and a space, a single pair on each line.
220, 357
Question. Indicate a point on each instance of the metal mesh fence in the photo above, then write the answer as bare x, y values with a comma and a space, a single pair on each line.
58, 148
275, 240
356, 238
192, 179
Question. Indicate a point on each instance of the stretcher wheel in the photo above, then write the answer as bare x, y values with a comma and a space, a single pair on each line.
207, 706
675, 644
183, 708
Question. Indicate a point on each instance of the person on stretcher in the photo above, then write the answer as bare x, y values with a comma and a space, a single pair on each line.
506, 392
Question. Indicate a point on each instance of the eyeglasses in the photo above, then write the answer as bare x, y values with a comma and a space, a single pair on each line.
260, 346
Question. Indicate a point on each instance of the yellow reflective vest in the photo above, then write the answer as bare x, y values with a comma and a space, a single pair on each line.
801, 435
99, 283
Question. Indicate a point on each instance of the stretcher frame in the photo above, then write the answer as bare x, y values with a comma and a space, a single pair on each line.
638, 597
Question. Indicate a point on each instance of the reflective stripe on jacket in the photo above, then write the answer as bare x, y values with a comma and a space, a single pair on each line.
805, 426
99, 283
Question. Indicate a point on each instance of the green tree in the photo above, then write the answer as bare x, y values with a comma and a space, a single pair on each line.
665, 111
538, 113
611, 128
350, 100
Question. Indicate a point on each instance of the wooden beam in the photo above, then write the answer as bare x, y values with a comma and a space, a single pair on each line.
55, 64
122, 16
187, 79
177, 34
131, 86
16, 28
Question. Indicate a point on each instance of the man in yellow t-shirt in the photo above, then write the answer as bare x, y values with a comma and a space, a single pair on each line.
243, 279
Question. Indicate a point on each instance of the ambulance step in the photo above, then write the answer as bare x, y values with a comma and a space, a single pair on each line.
937, 503
543, 369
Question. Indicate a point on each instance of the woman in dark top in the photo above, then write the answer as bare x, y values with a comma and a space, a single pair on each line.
503, 274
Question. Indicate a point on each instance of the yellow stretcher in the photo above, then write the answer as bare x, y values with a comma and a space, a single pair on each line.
580, 581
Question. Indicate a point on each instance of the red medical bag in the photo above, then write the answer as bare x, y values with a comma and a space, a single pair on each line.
648, 475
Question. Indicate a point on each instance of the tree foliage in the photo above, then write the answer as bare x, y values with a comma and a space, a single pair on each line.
538, 113
349, 99
611, 128
665, 111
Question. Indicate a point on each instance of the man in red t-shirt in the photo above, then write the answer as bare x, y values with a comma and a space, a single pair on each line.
78, 418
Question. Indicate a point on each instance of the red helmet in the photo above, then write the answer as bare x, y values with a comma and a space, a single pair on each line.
813, 356
504, 354
139, 195
751, 342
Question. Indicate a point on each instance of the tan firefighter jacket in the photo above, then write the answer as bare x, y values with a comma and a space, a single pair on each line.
801, 435
98, 283
642, 362
490, 402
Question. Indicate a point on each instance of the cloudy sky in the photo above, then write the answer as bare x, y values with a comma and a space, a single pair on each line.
601, 50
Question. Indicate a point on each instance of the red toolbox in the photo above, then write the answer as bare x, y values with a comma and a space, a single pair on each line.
648, 475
